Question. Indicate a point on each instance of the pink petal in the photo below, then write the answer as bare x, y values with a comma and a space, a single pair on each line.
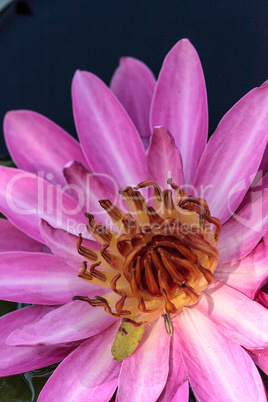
259, 184
177, 387
164, 160
87, 189
264, 163
73, 321
16, 360
216, 365
260, 357
133, 84
37, 144
244, 230
262, 298
90, 373
108, 137
182, 395
25, 198
233, 154
241, 319
144, 373
12, 239
39, 278
64, 244
180, 104
247, 275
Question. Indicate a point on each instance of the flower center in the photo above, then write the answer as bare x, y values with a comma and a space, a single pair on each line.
160, 259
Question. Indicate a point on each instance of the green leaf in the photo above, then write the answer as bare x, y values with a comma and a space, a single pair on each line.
127, 340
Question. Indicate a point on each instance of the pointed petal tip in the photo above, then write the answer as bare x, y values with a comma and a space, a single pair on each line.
184, 42
69, 164
265, 84
78, 76
158, 131
12, 115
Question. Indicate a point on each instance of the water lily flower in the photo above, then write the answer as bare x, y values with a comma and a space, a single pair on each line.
149, 255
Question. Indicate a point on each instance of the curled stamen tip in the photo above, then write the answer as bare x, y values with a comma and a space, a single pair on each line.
82, 268
89, 216
124, 189
169, 181
134, 323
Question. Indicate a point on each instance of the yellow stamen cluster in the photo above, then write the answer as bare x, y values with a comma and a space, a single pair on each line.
160, 259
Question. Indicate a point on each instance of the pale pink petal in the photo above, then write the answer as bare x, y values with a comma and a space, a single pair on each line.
244, 230
241, 319
233, 154
87, 189
109, 139
37, 144
216, 365
89, 373
64, 244
163, 158
177, 387
144, 373
262, 298
260, 357
180, 104
133, 84
39, 278
247, 275
12, 239
16, 360
71, 322
25, 198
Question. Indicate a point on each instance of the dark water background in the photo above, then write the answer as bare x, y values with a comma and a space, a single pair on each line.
43, 42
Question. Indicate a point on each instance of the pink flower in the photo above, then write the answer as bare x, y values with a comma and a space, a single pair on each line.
216, 339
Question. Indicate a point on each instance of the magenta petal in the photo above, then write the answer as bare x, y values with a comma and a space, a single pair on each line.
180, 104
244, 230
144, 373
241, 319
233, 154
264, 163
39, 278
259, 184
216, 365
64, 244
133, 84
16, 360
164, 160
37, 144
25, 198
260, 357
108, 137
87, 189
182, 394
262, 298
89, 373
73, 321
12, 239
247, 275
177, 387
